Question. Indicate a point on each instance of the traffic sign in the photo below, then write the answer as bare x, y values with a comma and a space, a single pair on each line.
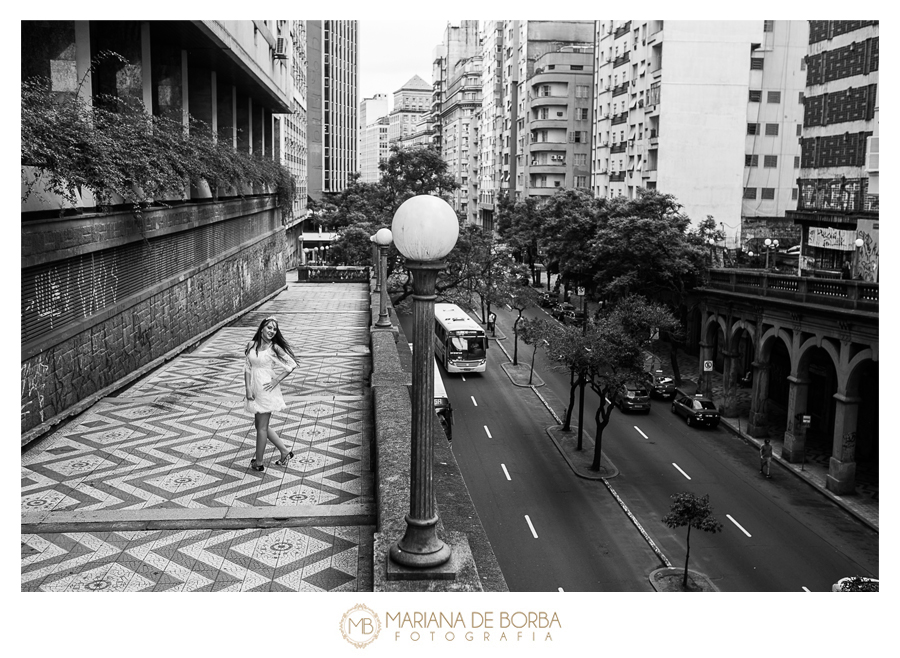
707, 366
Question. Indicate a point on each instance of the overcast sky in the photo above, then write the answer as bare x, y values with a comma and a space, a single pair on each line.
391, 52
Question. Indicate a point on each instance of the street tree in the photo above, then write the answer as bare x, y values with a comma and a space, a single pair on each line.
569, 220
353, 246
693, 512
615, 344
532, 332
646, 246
519, 226
519, 297
568, 347
409, 172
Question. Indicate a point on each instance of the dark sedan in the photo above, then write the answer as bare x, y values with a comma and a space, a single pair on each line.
660, 385
696, 409
559, 310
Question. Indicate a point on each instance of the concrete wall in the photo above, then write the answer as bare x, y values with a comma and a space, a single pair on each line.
101, 338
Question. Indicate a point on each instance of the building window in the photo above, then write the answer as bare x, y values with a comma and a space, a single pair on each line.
580, 159
581, 181
799, 129
581, 91
801, 98
770, 161
577, 67
803, 63
752, 128
749, 192
756, 63
768, 26
751, 160
544, 90
772, 129
773, 97
755, 95
768, 193
794, 194
544, 113
796, 162
581, 113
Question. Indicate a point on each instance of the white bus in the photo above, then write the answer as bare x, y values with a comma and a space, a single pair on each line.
459, 342
442, 406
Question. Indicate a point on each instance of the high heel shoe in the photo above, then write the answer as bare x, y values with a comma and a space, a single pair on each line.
284, 460
255, 466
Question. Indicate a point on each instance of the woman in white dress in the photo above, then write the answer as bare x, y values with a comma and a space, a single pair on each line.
269, 359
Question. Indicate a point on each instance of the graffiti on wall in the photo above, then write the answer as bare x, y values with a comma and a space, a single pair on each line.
866, 267
33, 374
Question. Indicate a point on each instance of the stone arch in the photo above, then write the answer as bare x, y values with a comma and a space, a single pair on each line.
862, 384
818, 364
766, 340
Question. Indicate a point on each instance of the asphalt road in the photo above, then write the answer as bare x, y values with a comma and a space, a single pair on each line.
777, 534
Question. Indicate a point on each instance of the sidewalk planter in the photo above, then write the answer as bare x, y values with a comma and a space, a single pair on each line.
855, 584
201, 190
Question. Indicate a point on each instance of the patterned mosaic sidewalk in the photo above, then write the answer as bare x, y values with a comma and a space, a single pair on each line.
174, 449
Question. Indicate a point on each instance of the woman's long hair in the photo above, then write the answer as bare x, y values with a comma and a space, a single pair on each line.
278, 339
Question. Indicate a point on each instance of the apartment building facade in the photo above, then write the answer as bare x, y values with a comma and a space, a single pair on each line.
671, 101
509, 52
460, 42
291, 133
458, 120
411, 102
837, 209
558, 106
333, 99
373, 142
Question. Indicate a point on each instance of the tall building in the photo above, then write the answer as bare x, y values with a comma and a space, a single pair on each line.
671, 112
373, 144
333, 78
557, 119
458, 121
291, 131
509, 52
373, 150
837, 209
411, 102
460, 42
772, 148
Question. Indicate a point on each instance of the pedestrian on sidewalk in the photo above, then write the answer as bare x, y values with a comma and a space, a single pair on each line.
492, 323
269, 359
765, 458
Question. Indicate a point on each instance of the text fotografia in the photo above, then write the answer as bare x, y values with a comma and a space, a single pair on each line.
481, 626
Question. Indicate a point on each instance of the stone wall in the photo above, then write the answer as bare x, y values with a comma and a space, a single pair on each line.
67, 366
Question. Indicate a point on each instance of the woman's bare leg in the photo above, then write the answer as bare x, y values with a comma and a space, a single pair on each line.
277, 442
261, 421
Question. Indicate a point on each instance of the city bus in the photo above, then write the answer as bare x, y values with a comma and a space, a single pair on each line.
460, 343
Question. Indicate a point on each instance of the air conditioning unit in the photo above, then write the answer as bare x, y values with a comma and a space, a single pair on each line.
872, 155
280, 48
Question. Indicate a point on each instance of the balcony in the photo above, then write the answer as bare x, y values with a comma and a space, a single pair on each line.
624, 58
547, 168
617, 176
544, 190
621, 30
859, 296
547, 146
619, 118
558, 124
618, 148
838, 196
621, 89
545, 101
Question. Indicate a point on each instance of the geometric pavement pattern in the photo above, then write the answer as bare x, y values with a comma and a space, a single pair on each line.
180, 439
197, 560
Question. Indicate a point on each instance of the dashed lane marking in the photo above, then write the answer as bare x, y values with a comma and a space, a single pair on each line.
473, 400
680, 471
505, 472
731, 518
640, 432
488, 432
531, 526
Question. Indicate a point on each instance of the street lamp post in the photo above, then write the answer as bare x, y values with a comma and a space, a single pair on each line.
375, 263
383, 239
425, 230
770, 244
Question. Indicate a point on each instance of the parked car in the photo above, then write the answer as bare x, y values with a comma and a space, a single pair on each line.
696, 409
633, 397
660, 385
559, 310
547, 299
575, 318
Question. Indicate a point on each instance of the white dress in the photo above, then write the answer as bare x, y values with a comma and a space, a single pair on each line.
263, 368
